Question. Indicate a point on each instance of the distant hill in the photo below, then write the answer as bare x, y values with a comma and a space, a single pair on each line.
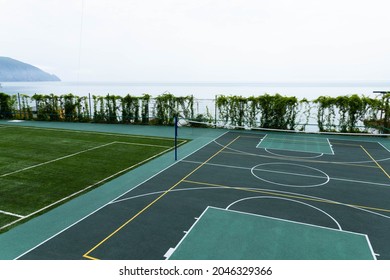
12, 70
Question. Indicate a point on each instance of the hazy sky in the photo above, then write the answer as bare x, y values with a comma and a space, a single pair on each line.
199, 40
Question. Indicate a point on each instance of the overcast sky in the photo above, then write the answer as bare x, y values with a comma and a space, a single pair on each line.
199, 40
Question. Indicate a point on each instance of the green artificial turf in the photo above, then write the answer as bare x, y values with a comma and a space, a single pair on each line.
40, 167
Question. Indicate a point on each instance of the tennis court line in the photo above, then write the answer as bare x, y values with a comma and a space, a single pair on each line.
384, 171
86, 188
87, 254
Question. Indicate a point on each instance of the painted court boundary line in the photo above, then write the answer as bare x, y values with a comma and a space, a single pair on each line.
87, 254
108, 203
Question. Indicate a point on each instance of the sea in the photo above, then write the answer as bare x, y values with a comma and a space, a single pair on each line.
206, 90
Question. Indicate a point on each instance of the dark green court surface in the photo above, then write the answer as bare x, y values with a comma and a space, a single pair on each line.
221, 234
296, 142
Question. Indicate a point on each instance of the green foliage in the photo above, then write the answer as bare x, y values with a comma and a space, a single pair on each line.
5, 106
349, 110
168, 106
267, 111
347, 113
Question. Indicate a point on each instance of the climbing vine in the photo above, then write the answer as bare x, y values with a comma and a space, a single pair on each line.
346, 113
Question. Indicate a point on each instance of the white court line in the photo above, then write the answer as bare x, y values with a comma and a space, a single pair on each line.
383, 146
11, 214
289, 199
191, 228
261, 140
54, 160
330, 146
295, 222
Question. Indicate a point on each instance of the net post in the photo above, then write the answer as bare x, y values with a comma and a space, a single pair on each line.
176, 137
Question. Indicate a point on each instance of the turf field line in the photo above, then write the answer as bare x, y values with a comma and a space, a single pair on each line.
86, 188
93, 132
87, 254
57, 159
296, 196
384, 171
10, 214
332, 178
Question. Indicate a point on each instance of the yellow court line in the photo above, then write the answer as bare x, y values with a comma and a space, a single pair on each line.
287, 195
384, 171
86, 255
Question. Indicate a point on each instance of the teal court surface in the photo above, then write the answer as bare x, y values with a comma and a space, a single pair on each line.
275, 239
289, 141
228, 197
